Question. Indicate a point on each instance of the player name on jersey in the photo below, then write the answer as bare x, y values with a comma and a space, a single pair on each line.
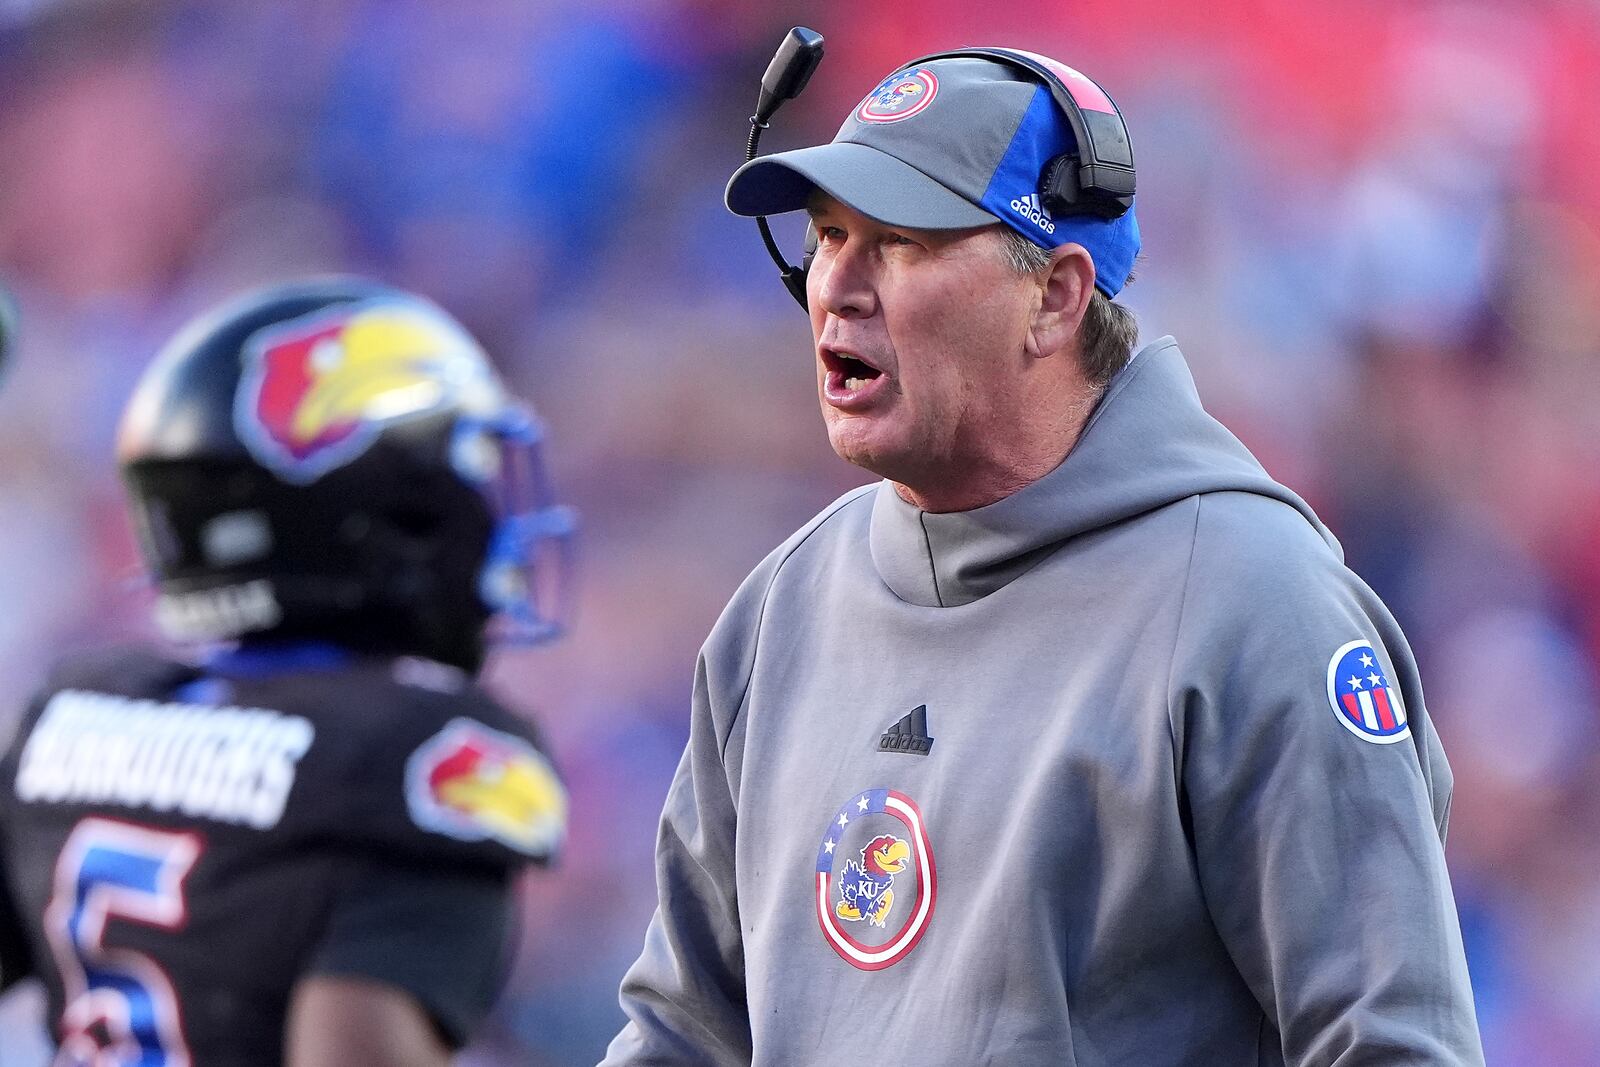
233, 765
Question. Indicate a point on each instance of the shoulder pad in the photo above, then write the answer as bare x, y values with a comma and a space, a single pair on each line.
475, 783
430, 775
126, 670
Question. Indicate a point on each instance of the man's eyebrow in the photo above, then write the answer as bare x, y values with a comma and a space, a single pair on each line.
819, 203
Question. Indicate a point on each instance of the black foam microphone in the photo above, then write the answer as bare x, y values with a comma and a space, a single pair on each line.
796, 59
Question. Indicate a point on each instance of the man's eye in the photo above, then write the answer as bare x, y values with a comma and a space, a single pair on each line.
829, 233
900, 239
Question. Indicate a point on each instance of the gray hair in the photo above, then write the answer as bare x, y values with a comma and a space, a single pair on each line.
1108, 331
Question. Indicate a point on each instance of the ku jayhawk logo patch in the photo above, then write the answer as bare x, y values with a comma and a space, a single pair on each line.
474, 783
866, 890
876, 882
899, 96
1363, 700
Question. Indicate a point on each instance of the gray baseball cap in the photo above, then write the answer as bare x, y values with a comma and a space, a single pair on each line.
952, 143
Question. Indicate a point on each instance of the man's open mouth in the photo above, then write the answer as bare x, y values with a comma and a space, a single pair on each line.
847, 372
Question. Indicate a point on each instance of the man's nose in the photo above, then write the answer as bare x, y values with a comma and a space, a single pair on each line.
844, 281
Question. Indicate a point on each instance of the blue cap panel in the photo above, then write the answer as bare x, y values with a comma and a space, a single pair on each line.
1013, 197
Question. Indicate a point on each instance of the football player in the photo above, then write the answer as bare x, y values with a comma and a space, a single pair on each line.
297, 844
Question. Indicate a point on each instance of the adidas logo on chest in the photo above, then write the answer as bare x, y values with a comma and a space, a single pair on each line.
910, 734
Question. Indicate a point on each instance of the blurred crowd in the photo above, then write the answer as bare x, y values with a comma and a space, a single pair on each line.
1374, 227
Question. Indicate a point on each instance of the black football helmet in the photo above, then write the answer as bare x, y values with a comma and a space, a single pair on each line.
337, 460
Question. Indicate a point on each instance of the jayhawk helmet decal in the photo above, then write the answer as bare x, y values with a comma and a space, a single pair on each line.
338, 459
319, 389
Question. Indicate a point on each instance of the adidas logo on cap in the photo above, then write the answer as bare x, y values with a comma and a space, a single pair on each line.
1030, 208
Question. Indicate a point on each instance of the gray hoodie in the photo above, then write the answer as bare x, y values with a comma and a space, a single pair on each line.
1124, 769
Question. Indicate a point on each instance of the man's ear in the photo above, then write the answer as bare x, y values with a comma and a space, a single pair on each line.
1065, 291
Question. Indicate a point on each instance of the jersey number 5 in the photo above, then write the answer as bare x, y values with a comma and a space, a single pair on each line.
119, 1006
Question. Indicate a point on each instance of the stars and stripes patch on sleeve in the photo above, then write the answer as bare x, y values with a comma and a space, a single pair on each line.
1362, 697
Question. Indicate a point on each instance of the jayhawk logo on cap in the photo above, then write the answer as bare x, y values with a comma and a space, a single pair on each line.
316, 392
899, 96
474, 783
894, 877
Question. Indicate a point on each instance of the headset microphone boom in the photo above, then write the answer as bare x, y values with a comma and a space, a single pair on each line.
791, 68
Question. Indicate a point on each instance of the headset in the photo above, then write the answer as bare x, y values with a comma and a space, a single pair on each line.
1096, 179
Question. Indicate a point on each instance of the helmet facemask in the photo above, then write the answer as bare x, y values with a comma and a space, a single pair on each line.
526, 576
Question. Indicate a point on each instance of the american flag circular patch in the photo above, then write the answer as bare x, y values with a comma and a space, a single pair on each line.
1363, 700
899, 96
875, 865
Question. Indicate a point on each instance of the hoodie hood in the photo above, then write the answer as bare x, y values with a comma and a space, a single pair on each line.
1148, 444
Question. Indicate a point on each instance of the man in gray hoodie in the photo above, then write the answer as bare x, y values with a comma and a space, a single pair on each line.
1073, 741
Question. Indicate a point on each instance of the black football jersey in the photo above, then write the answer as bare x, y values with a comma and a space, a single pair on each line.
181, 844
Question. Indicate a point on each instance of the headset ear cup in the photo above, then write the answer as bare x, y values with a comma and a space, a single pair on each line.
811, 250
1058, 188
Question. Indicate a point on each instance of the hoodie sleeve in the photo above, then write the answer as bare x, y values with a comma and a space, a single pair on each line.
685, 995
1317, 822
